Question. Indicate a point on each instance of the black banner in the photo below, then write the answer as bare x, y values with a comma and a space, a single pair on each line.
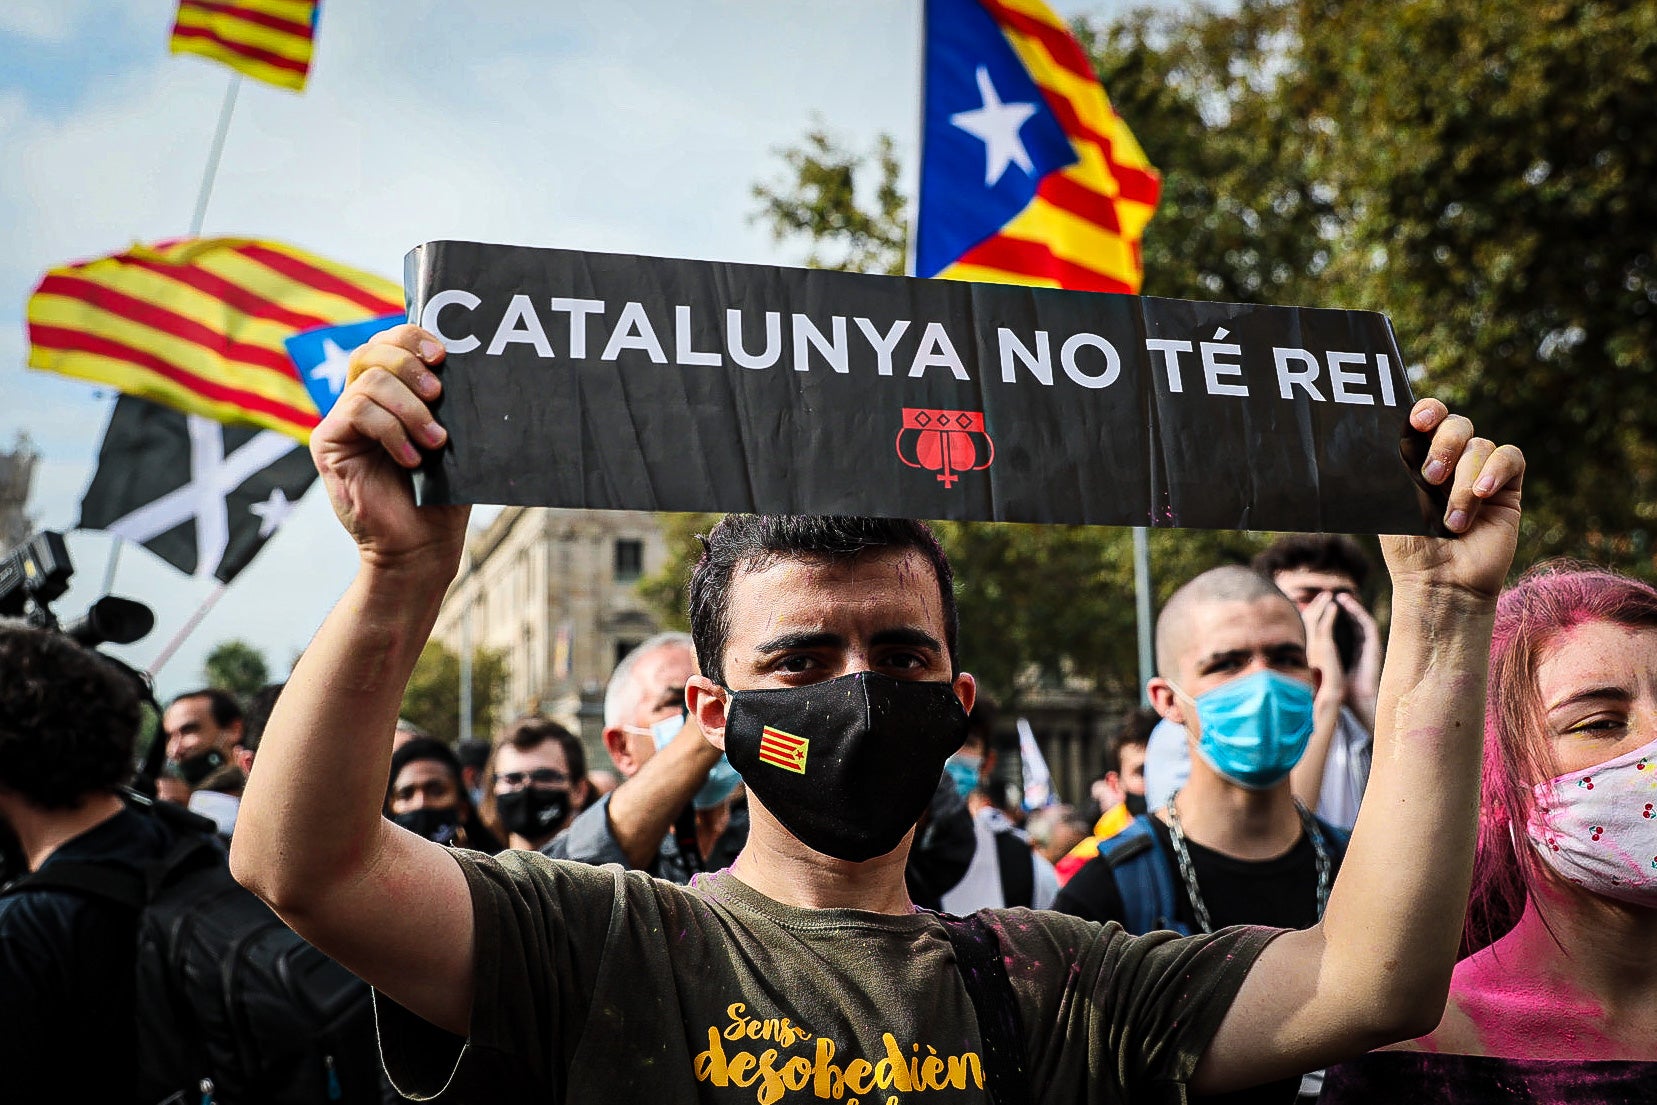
602, 380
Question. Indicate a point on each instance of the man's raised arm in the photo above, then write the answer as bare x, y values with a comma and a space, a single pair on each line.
392, 907
1377, 969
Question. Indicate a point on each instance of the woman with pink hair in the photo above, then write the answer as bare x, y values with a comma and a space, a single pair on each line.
1556, 998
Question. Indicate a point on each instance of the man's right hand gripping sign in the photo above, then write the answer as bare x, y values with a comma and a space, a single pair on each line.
798, 974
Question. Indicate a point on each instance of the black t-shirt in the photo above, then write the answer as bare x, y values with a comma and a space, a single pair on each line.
1280, 892
67, 1023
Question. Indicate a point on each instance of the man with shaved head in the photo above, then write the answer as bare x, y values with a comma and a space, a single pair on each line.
1233, 846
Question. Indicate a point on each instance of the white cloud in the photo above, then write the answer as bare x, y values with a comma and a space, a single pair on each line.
44, 21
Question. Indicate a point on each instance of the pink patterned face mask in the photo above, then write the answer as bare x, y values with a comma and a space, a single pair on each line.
1598, 828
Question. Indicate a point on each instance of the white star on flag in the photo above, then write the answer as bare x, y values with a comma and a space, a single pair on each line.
272, 511
212, 476
333, 366
997, 124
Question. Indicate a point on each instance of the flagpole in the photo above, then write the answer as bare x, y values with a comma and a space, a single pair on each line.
1142, 609
110, 565
920, 156
187, 628
213, 156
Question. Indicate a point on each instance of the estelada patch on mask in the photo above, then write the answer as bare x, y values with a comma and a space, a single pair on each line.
784, 750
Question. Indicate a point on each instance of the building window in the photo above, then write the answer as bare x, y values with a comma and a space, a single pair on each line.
622, 649
629, 560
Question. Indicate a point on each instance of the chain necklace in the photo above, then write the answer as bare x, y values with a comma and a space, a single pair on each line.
1188, 873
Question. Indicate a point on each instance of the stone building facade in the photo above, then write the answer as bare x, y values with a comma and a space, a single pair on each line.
553, 590
17, 467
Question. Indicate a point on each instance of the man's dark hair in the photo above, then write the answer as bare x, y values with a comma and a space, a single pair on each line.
426, 748
258, 715
68, 718
1133, 731
756, 541
534, 730
473, 753
226, 710
1318, 552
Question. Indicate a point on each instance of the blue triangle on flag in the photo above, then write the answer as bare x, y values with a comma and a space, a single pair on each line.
320, 355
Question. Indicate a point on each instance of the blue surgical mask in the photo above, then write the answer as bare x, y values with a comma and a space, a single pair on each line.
722, 777
963, 768
1255, 728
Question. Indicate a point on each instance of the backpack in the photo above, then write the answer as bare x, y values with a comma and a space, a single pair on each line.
1144, 879
233, 1007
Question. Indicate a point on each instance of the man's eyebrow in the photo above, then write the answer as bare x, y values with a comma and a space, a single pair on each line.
670, 696
1216, 657
910, 635
802, 638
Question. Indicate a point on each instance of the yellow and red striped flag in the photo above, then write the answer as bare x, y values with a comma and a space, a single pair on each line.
268, 40
784, 750
1028, 176
199, 324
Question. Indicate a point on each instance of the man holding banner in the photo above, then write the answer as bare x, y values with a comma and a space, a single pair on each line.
832, 679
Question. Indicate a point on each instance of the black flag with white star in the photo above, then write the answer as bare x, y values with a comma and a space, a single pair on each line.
202, 495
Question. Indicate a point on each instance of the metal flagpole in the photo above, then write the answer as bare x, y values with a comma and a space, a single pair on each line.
110, 565
227, 109
1142, 608
914, 213
187, 628
213, 156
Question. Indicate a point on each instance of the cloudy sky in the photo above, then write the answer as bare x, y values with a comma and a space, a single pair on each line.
619, 125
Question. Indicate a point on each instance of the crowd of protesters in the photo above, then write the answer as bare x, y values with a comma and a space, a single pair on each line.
1225, 812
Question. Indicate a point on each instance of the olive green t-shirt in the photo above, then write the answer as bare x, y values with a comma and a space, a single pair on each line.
596, 984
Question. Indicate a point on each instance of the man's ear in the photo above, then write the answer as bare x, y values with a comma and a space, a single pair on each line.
706, 701
621, 753
1164, 701
966, 689
243, 758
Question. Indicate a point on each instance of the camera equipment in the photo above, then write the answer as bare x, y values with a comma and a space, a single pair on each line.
36, 573
113, 619
32, 575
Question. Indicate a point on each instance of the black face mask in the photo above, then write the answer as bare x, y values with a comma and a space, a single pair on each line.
200, 766
848, 765
433, 824
533, 813
1135, 803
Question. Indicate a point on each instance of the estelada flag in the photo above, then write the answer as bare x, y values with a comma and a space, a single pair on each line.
1028, 176
200, 324
268, 40
784, 750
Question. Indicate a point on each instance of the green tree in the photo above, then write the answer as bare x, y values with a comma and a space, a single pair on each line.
1498, 193
432, 699
668, 591
237, 667
1246, 210
818, 200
